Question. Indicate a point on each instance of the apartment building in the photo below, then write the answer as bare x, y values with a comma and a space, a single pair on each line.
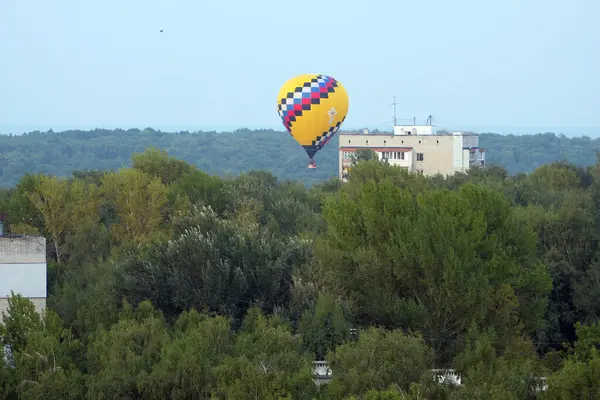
23, 268
416, 148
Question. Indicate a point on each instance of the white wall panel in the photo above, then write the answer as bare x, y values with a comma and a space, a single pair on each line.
29, 280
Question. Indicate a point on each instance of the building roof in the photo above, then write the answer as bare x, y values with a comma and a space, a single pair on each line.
18, 236
377, 148
414, 134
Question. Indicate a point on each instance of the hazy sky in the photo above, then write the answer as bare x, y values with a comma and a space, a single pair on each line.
221, 63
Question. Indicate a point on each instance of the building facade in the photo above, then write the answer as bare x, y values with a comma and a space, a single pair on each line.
415, 148
23, 269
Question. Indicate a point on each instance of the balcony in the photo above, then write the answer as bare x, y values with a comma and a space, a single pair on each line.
322, 373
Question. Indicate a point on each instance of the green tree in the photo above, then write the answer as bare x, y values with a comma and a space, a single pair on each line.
579, 377
41, 352
486, 374
435, 262
158, 164
19, 321
139, 201
363, 155
185, 369
377, 360
121, 357
267, 364
216, 265
64, 206
21, 209
324, 327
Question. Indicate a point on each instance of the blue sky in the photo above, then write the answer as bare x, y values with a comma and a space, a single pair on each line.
510, 63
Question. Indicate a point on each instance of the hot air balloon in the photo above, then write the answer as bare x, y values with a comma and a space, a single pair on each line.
312, 108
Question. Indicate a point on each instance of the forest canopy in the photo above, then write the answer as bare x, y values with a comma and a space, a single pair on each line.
60, 153
165, 281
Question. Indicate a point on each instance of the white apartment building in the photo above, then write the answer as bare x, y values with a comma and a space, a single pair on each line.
23, 269
416, 148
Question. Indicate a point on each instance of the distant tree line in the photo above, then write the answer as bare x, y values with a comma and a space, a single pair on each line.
232, 153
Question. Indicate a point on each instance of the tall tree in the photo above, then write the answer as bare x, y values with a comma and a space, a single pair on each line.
139, 201
65, 207
436, 262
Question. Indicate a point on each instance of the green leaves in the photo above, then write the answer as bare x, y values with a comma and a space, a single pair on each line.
216, 265
431, 261
177, 284
324, 327
377, 360
138, 200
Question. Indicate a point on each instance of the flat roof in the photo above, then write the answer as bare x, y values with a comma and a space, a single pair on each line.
415, 134
18, 236
376, 147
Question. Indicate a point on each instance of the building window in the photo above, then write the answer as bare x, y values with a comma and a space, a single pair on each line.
420, 157
387, 155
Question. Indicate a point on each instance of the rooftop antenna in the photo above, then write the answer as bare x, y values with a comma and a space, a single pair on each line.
429, 120
394, 104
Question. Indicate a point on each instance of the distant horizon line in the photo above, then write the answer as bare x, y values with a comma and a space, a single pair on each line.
590, 130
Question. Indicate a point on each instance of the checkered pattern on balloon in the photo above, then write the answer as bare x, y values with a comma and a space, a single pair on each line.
302, 99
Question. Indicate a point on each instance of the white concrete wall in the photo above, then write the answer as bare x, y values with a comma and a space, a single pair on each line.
457, 152
22, 249
470, 141
28, 280
466, 159
23, 269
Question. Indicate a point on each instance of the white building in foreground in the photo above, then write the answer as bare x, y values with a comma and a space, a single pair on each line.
23, 269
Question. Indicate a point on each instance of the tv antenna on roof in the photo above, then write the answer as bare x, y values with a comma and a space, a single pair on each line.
429, 120
394, 104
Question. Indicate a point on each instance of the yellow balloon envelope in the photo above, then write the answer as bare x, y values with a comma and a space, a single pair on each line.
312, 108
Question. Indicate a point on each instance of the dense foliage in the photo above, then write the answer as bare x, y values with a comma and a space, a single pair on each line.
167, 282
232, 153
